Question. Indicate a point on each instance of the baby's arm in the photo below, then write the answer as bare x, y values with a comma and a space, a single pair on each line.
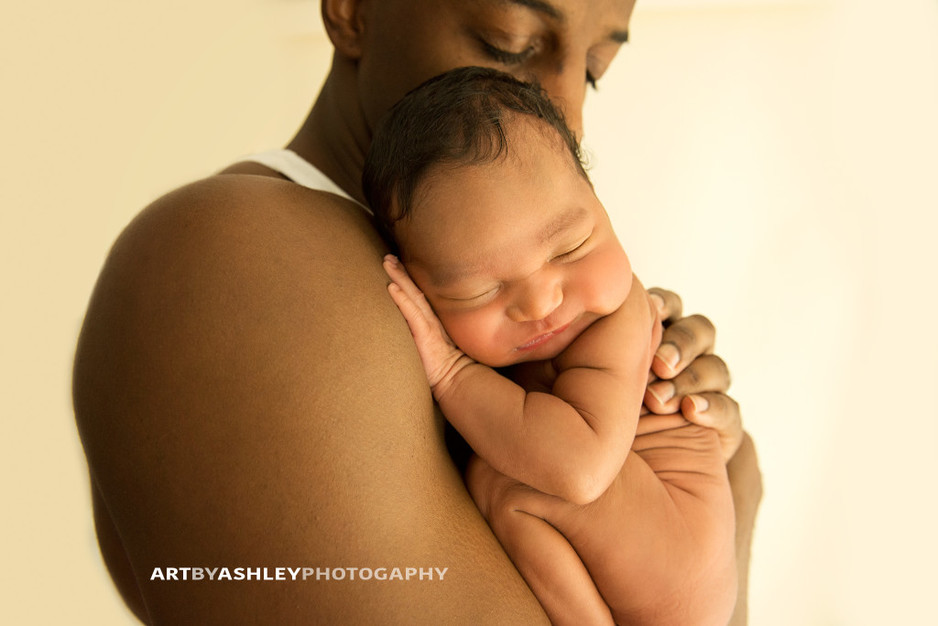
571, 442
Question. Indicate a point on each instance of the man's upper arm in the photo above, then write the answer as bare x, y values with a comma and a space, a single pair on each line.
248, 397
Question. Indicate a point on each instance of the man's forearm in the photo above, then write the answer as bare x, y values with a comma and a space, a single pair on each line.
746, 484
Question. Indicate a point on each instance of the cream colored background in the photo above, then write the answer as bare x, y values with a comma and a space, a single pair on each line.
772, 161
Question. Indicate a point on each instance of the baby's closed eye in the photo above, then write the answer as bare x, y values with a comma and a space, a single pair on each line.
473, 295
575, 251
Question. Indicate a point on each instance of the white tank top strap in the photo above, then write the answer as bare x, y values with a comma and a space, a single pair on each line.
300, 171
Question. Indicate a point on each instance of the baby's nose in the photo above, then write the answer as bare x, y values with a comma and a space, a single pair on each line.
536, 301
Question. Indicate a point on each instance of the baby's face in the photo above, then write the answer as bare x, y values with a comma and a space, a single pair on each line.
517, 257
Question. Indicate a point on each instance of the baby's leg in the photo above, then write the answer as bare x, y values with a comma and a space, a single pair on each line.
658, 544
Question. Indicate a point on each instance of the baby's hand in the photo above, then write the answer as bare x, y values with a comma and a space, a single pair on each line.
442, 360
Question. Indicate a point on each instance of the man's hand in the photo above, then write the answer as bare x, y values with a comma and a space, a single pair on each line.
686, 376
441, 359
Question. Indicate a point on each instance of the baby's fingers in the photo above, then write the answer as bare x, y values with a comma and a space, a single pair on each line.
399, 275
416, 320
440, 357
409, 289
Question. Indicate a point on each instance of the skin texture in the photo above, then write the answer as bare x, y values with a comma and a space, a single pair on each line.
512, 249
246, 392
230, 456
520, 263
568, 439
672, 487
556, 474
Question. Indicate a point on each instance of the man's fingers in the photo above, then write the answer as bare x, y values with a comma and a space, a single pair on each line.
650, 424
713, 410
669, 304
719, 412
706, 374
682, 342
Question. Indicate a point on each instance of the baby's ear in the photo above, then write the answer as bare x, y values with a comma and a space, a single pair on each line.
345, 25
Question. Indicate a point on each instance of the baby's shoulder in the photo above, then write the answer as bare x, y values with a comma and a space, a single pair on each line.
604, 344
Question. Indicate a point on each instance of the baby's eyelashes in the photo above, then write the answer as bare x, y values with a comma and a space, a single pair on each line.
469, 296
572, 253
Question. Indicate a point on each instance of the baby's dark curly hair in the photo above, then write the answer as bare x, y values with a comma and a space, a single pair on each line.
457, 118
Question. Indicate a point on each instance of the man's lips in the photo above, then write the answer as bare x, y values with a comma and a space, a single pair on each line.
542, 339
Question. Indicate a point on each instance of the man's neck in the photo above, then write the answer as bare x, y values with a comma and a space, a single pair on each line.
335, 136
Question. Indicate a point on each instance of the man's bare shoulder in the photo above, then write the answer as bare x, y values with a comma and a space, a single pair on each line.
229, 243
222, 210
236, 298
247, 393
246, 271
250, 261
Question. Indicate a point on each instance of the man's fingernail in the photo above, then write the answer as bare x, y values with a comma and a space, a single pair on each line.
658, 300
668, 353
662, 391
700, 403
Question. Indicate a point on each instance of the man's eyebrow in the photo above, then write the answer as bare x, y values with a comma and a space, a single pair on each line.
542, 7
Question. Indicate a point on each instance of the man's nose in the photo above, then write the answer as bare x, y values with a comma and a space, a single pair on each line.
567, 90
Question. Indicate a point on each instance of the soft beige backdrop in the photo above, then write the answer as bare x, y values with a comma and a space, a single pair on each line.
773, 161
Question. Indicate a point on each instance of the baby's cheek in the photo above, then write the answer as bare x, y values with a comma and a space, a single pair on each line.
473, 333
610, 279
